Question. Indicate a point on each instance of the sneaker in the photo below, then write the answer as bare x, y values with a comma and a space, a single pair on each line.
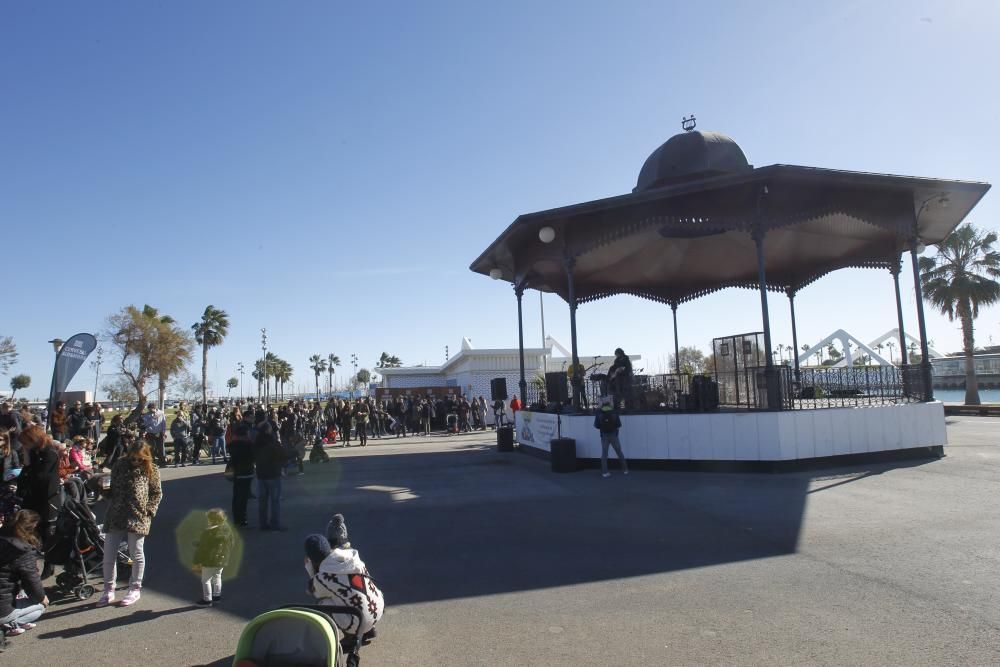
626, 472
131, 597
606, 475
106, 598
28, 626
14, 632
204, 603
216, 598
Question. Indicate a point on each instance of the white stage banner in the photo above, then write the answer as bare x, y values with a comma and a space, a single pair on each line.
536, 429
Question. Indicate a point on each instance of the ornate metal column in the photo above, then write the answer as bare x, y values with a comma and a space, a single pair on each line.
677, 353
770, 372
795, 334
571, 294
926, 375
895, 269
522, 384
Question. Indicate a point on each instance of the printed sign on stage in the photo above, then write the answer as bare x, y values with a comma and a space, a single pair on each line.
536, 429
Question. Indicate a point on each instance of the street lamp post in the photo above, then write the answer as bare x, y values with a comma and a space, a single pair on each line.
354, 378
263, 344
239, 367
97, 369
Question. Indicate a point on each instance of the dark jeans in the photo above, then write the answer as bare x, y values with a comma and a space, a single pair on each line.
198, 440
269, 503
181, 451
241, 495
159, 453
363, 433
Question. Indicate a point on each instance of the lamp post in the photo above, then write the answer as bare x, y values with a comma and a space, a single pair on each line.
97, 369
239, 367
354, 377
263, 344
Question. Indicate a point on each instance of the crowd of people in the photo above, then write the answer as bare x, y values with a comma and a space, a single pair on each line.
41, 453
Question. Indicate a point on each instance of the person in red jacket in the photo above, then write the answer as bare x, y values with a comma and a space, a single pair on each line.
515, 404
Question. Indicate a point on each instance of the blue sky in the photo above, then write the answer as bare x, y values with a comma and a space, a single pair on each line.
329, 170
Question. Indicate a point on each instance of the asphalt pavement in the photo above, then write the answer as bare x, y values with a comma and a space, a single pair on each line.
488, 558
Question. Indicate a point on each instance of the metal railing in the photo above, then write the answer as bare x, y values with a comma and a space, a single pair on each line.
754, 388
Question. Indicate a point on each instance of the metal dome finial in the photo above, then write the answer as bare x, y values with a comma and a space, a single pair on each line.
688, 123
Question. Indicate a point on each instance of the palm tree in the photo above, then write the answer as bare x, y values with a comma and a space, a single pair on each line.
209, 332
331, 361
174, 350
318, 365
889, 344
959, 279
283, 374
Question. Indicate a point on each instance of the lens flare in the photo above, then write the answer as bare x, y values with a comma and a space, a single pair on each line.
190, 530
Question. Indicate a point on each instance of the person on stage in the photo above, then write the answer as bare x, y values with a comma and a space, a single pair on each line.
620, 380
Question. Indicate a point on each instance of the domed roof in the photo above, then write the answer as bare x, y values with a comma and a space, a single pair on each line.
689, 156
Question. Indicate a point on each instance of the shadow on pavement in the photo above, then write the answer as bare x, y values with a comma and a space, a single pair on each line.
138, 616
473, 522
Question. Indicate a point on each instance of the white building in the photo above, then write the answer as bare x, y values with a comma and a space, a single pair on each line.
471, 370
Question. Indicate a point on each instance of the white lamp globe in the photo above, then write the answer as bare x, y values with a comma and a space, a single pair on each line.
496, 274
546, 234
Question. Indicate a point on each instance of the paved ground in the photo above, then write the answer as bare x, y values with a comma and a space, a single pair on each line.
490, 559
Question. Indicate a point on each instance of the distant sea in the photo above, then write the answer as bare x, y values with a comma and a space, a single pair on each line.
958, 395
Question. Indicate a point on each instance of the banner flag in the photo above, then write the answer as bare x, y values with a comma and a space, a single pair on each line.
71, 356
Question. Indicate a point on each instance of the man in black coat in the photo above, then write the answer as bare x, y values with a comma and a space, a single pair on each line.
241, 459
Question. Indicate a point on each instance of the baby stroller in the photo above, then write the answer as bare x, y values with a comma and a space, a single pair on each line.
78, 545
301, 635
452, 422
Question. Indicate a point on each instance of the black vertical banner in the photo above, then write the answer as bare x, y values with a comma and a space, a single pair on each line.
71, 356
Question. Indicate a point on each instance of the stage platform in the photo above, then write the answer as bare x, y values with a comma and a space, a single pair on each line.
795, 435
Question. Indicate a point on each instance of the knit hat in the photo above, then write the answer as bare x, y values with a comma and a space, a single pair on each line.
336, 531
317, 548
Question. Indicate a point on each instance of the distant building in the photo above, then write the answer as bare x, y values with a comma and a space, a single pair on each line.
949, 372
469, 372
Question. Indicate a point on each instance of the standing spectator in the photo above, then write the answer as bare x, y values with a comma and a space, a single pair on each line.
10, 458
216, 432
241, 458
180, 433
361, 415
111, 447
197, 433
95, 421
10, 422
608, 423
39, 484
135, 497
19, 570
426, 415
269, 458
515, 404
481, 412
346, 423
76, 421
58, 422
154, 425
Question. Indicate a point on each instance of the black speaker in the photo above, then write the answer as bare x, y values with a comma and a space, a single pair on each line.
498, 389
556, 387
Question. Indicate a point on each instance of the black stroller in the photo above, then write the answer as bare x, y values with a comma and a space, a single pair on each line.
78, 545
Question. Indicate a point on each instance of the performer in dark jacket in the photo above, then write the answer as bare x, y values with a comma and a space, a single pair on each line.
18, 554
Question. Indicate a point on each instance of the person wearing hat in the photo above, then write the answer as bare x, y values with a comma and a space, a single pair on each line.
338, 577
608, 423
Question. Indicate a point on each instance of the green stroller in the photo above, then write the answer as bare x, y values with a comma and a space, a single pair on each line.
299, 636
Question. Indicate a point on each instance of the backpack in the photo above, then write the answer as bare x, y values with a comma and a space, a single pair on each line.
607, 422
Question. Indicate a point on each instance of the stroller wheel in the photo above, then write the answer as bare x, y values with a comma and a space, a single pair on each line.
85, 592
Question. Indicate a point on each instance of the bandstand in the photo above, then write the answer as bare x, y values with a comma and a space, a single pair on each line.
702, 219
